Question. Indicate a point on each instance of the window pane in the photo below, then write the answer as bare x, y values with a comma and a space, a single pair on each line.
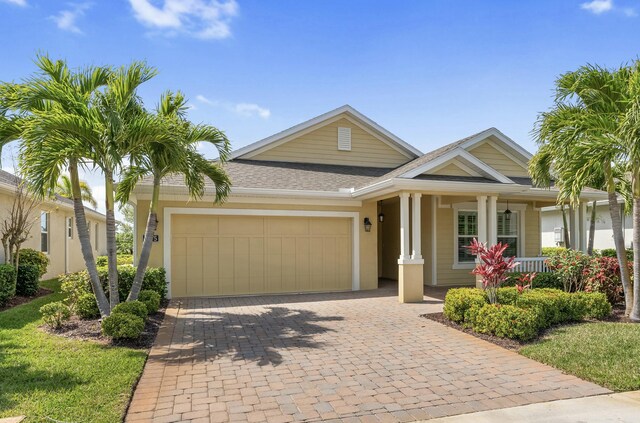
463, 253
467, 223
44, 221
44, 242
512, 249
506, 226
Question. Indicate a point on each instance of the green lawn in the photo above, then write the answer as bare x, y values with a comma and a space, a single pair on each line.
605, 353
44, 375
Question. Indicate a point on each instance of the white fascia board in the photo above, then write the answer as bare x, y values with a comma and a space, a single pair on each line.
467, 158
320, 119
526, 156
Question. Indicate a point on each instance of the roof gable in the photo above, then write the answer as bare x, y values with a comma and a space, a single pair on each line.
355, 120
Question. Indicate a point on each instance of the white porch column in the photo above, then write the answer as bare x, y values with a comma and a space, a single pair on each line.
416, 233
582, 226
492, 220
410, 269
573, 228
482, 218
404, 226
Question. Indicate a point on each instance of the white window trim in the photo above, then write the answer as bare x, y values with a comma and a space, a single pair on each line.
520, 208
70, 231
170, 211
48, 232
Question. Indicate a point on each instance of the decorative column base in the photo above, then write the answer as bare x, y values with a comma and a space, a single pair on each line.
410, 280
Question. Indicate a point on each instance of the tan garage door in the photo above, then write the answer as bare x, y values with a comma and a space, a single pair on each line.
235, 255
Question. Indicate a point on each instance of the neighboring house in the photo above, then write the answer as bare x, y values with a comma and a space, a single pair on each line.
552, 227
54, 230
339, 202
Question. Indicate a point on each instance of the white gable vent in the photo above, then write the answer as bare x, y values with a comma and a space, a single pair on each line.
344, 139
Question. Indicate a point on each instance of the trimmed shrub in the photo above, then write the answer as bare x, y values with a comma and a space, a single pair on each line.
459, 300
122, 259
74, 285
506, 321
86, 306
553, 306
549, 251
28, 281
7, 283
131, 307
611, 252
541, 280
34, 258
55, 314
123, 325
592, 304
151, 299
154, 279
507, 295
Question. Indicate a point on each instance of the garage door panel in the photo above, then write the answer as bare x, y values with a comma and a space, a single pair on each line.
210, 264
232, 255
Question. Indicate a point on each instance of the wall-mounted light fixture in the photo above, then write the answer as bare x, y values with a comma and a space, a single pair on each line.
381, 217
367, 224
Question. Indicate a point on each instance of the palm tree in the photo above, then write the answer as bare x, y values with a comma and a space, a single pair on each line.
175, 155
64, 189
54, 109
578, 144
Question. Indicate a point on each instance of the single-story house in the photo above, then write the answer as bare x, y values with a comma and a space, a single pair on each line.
54, 231
553, 226
337, 203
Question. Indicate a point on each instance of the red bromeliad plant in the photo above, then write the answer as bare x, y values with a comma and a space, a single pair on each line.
493, 266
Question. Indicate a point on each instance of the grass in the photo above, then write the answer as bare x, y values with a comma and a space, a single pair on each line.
46, 376
604, 353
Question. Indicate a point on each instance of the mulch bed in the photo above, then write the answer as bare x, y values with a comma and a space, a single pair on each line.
18, 299
617, 315
90, 330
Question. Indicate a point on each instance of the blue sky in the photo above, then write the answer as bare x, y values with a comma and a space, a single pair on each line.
429, 71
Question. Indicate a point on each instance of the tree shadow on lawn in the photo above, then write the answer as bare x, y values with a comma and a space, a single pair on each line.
207, 335
18, 381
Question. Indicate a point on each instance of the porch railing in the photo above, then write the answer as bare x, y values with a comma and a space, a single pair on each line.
531, 264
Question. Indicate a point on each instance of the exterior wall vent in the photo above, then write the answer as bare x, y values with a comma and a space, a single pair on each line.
344, 139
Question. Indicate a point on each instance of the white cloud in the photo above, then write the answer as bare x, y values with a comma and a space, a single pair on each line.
66, 19
208, 19
243, 109
598, 6
250, 109
21, 3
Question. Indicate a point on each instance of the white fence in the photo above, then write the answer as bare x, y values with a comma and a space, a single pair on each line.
531, 264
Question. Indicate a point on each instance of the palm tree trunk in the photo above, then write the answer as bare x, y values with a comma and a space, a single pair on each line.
567, 240
147, 243
85, 241
635, 311
592, 228
112, 253
618, 240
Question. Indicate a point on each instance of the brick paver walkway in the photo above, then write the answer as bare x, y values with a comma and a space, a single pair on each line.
343, 356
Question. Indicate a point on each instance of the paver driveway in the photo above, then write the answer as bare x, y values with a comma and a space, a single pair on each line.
346, 356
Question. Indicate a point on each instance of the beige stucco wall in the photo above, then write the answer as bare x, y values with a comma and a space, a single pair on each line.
487, 152
321, 146
367, 241
64, 254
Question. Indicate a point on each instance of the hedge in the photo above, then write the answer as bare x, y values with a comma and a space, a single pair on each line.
154, 279
548, 251
7, 283
136, 308
611, 252
35, 258
28, 281
121, 260
541, 280
123, 325
522, 315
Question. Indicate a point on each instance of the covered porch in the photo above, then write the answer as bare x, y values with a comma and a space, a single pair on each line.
422, 236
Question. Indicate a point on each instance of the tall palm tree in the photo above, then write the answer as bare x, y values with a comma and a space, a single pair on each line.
579, 147
176, 154
54, 108
64, 189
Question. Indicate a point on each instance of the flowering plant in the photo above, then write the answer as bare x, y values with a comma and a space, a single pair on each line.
570, 265
525, 281
492, 266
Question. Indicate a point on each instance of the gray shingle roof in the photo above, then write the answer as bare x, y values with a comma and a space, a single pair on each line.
292, 176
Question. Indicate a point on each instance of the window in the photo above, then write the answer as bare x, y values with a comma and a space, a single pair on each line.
467, 230
70, 227
96, 235
44, 232
508, 232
